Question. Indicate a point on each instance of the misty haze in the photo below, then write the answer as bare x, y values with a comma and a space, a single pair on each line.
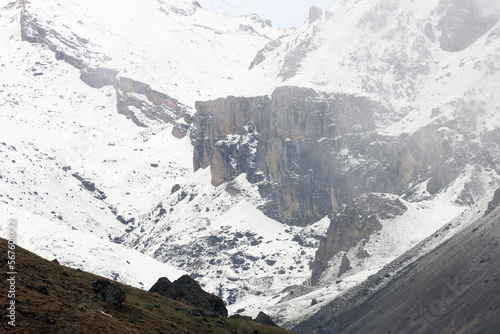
221, 166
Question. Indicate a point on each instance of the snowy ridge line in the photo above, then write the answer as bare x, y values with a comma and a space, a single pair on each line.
166, 37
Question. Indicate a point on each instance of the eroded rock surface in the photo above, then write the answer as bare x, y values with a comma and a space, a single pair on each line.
356, 222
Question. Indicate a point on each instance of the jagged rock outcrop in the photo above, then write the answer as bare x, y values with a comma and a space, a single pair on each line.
135, 99
187, 290
495, 203
345, 265
261, 55
356, 222
452, 289
153, 105
265, 319
107, 292
311, 152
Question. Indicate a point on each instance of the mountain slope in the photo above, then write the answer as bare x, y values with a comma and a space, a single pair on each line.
381, 96
154, 42
452, 289
398, 100
50, 298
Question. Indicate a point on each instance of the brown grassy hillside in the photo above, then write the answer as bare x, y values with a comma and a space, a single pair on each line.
51, 298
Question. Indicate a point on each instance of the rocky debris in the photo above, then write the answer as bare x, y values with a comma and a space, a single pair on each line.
265, 319
90, 186
232, 189
261, 55
125, 221
213, 240
271, 262
356, 222
495, 203
188, 291
107, 292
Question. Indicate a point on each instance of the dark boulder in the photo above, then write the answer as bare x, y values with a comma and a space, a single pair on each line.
188, 291
162, 286
90, 186
265, 319
107, 292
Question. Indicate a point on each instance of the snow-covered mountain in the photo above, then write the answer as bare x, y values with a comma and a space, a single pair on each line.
68, 158
367, 135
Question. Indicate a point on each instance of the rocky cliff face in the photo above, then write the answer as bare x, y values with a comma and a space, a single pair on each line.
300, 146
355, 223
310, 153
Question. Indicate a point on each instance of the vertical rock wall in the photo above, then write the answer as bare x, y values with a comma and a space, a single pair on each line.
309, 152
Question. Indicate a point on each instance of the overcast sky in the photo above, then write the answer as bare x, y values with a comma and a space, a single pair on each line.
283, 13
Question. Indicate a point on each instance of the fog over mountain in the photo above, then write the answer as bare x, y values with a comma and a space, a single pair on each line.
325, 175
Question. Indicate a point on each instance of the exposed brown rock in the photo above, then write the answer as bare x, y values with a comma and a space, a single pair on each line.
98, 77
265, 319
310, 152
288, 144
232, 190
356, 222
